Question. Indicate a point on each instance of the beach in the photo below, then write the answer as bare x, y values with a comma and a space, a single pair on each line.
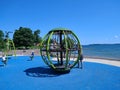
103, 61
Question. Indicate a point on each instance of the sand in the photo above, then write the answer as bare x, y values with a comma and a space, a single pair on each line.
98, 60
103, 61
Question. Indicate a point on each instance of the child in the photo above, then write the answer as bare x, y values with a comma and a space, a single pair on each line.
32, 55
4, 60
80, 61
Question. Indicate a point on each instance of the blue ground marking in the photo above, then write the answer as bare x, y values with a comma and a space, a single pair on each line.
23, 74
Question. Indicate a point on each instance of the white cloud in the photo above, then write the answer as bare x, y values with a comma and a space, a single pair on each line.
116, 36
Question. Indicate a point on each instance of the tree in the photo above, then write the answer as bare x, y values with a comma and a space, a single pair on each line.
1, 39
23, 37
1, 35
37, 38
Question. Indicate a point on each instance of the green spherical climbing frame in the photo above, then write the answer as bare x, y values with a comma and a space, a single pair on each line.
60, 49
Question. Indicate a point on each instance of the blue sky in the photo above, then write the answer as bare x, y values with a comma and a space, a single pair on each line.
93, 21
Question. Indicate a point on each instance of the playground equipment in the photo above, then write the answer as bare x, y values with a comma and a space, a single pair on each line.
9, 46
61, 50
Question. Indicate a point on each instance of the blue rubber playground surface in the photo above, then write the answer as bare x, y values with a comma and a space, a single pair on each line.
23, 74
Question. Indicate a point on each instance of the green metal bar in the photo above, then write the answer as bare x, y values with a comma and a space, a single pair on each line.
41, 46
66, 45
14, 48
48, 54
79, 51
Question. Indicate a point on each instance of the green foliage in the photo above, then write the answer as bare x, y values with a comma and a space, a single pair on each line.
37, 38
1, 35
2, 44
23, 37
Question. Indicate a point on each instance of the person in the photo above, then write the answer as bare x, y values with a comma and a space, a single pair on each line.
32, 55
80, 61
4, 60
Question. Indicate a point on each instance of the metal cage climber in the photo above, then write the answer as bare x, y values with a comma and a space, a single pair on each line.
60, 49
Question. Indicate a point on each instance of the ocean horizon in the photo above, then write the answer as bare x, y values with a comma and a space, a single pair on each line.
106, 51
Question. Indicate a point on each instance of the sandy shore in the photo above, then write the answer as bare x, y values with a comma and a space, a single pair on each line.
98, 60
103, 61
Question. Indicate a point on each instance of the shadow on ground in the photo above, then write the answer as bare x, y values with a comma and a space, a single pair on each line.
41, 72
1, 65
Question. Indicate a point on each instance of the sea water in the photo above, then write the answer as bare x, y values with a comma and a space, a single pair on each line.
108, 51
